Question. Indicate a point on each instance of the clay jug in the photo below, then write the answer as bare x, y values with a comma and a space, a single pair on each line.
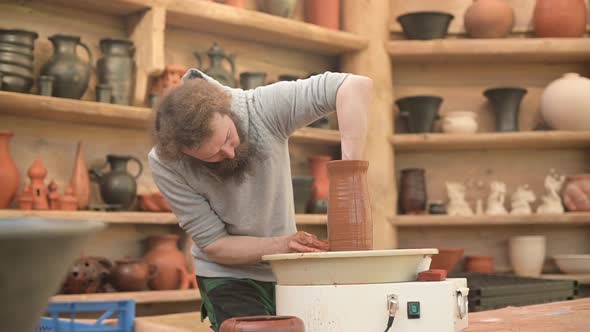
413, 198
350, 226
479, 264
117, 69
571, 90
560, 18
80, 181
132, 275
163, 252
263, 324
321, 185
216, 71
117, 187
325, 13
70, 72
489, 19
9, 176
37, 173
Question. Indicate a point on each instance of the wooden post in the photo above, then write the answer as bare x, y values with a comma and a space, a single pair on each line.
146, 30
371, 19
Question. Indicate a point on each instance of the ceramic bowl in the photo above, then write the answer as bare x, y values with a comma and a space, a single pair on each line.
447, 258
425, 25
573, 264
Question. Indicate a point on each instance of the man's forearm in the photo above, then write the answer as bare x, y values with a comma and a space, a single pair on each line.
238, 250
352, 105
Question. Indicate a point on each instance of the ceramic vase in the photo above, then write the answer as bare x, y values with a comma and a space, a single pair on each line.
70, 72
302, 186
446, 259
263, 324
9, 176
132, 275
117, 69
571, 90
325, 13
80, 181
163, 252
321, 185
560, 18
413, 198
420, 112
117, 187
350, 226
527, 255
283, 8
479, 264
489, 19
505, 103
459, 122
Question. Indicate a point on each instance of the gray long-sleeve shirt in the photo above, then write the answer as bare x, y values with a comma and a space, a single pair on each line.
208, 208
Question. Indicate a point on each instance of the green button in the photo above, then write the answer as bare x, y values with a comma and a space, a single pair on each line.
413, 310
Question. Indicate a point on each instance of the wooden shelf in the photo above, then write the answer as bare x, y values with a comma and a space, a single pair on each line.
535, 219
111, 7
260, 27
316, 136
134, 217
172, 296
517, 140
507, 50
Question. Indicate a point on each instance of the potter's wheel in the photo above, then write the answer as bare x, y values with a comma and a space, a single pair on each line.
350, 267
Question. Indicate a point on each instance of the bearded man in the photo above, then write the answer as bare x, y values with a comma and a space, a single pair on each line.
221, 160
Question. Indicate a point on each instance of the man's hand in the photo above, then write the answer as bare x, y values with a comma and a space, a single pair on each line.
305, 242
576, 193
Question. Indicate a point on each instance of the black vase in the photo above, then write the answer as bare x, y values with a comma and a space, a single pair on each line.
117, 69
420, 112
117, 187
506, 104
302, 187
17, 59
425, 25
413, 197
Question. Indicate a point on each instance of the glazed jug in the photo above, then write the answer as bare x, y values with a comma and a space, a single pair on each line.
70, 72
163, 253
117, 69
9, 176
117, 187
216, 71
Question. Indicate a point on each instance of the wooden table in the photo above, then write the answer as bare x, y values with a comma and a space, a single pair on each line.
569, 316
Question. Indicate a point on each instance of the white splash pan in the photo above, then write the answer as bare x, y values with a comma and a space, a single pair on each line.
349, 267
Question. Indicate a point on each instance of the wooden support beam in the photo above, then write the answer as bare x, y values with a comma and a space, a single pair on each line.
370, 19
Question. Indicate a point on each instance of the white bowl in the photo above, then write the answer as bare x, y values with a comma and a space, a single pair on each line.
350, 267
573, 264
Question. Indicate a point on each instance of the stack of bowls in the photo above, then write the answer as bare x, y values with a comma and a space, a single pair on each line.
17, 59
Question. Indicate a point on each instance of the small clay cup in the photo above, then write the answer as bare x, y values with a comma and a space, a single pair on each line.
480, 264
425, 25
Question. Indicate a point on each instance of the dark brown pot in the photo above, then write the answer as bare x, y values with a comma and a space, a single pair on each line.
132, 275
446, 259
481, 264
413, 197
263, 324
350, 226
172, 272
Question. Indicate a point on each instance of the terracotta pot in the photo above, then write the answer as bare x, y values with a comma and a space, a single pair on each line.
321, 184
87, 275
9, 176
37, 173
527, 255
263, 324
163, 252
350, 226
505, 103
325, 13
560, 18
481, 264
489, 19
160, 201
25, 199
413, 197
80, 181
132, 275
459, 122
446, 259
283, 8
572, 90
171, 77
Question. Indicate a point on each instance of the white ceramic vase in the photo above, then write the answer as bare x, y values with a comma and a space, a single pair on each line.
565, 103
459, 122
527, 255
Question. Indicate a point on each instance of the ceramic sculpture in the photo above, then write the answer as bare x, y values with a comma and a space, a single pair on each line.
496, 199
552, 201
521, 200
458, 206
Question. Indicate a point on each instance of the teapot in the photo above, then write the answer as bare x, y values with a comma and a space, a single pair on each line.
216, 71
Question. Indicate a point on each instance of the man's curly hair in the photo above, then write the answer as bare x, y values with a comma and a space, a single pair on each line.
182, 119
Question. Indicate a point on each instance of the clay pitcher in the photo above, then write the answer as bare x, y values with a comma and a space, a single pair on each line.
163, 252
489, 19
132, 275
560, 18
321, 185
117, 187
216, 71
350, 226
71, 74
263, 324
9, 176
325, 13
80, 181
117, 69
413, 197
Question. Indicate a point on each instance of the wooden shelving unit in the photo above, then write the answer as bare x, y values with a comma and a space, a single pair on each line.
147, 218
260, 27
517, 140
507, 50
110, 7
145, 297
485, 220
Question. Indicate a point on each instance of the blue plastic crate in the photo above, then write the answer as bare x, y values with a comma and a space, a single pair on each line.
124, 311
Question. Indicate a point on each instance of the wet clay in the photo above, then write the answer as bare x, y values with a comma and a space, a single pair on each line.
350, 226
263, 324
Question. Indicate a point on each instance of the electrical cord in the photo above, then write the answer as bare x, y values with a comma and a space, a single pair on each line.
389, 323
